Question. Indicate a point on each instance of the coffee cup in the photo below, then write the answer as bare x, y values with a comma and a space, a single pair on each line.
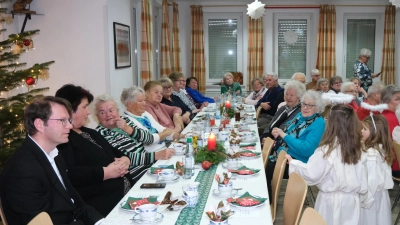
192, 187
147, 212
167, 174
232, 163
191, 198
247, 135
225, 188
235, 147
244, 126
248, 118
178, 147
223, 135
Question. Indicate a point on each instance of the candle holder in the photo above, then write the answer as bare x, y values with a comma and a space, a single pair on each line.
213, 156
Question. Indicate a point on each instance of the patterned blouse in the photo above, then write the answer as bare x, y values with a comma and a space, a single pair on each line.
364, 73
182, 95
131, 145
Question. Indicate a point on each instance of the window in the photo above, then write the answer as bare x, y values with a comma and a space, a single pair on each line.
360, 34
223, 48
292, 44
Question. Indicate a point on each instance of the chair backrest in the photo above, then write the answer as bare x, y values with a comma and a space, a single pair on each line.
238, 77
268, 143
277, 181
295, 195
311, 217
258, 112
41, 219
3, 217
396, 147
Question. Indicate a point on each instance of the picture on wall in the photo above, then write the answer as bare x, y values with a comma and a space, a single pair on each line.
122, 46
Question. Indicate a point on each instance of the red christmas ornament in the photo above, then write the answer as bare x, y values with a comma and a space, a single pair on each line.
30, 80
27, 42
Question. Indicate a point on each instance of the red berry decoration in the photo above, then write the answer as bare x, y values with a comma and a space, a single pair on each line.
206, 165
27, 42
30, 80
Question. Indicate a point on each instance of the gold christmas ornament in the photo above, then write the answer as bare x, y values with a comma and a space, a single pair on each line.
44, 74
16, 49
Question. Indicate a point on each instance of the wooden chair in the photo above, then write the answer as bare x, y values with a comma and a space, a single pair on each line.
396, 147
295, 195
3, 217
277, 181
268, 143
311, 217
41, 219
238, 77
258, 112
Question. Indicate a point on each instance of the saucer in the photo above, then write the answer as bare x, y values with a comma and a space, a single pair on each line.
225, 165
161, 179
137, 219
224, 195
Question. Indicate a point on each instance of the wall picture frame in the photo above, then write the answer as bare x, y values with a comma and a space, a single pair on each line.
122, 45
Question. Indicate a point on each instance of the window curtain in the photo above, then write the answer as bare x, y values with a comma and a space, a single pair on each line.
388, 52
326, 59
198, 68
146, 65
255, 50
165, 68
176, 50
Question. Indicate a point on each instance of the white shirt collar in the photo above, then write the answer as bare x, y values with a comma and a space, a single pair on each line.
49, 156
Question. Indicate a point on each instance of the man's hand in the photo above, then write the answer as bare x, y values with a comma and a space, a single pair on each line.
265, 106
164, 154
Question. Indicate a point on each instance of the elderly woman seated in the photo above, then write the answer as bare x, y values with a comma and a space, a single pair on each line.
128, 138
178, 89
350, 89
301, 135
294, 90
259, 91
134, 100
173, 100
322, 85
191, 89
167, 116
229, 86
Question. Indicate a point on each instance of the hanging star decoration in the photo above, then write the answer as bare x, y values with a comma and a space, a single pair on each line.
255, 10
395, 3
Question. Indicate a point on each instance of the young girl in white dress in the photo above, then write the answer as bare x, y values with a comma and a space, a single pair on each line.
336, 168
376, 209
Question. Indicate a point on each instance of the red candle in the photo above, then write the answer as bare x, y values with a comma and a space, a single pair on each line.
212, 142
228, 104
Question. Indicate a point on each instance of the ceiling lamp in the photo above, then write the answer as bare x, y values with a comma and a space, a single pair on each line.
395, 3
256, 10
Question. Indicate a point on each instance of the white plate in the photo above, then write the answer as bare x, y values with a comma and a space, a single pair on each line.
159, 217
250, 157
160, 208
251, 140
225, 165
160, 179
243, 176
253, 206
223, 195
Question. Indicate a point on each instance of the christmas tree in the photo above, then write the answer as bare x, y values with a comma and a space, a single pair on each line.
14, 75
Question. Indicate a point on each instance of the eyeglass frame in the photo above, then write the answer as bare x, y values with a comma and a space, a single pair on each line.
306, 106
64, 121
337, 83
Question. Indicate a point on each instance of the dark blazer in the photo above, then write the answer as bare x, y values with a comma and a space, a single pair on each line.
274, 97
85, 162
29, 185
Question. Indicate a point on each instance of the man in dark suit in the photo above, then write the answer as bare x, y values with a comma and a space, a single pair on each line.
34, 179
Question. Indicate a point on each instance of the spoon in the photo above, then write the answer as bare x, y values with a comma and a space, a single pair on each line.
184, 192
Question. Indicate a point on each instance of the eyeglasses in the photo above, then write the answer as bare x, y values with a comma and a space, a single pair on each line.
337, 83
306, 106
103, 112
64, 121
183, 80
166, 88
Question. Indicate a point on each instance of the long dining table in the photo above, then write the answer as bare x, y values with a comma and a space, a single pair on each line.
256, 185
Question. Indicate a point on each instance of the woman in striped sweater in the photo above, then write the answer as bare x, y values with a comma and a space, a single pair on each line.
124, 135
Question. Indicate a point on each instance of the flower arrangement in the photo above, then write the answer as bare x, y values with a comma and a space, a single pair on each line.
214, 156
224, 179
229, 112
219, 214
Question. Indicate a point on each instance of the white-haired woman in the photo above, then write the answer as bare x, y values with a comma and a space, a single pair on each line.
322, 85
128, 138
134, 100
229, 85
350, 89
302, 134
259, 91
362, 71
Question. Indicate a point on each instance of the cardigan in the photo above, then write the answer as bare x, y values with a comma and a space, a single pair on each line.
249, 100
197, 96
163, 114
176, 101
274, 96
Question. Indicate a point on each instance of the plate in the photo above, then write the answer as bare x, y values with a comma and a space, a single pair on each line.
254, 139
247, 207
223, 195
225, 165
257, 154
160, 208
159, 217
249, 122
160, 179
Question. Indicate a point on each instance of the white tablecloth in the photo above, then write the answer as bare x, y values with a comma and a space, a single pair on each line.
255, 185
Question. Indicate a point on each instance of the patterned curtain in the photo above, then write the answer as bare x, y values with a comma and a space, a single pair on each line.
165, 69
326, 60
388, 52
198, 68
146, 47
255, 50
176, 50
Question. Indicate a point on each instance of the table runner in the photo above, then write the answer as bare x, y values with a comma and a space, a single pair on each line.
192, 216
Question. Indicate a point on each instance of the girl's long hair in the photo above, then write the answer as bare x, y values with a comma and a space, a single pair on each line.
343, 129
380, 136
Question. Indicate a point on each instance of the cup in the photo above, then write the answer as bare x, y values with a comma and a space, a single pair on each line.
244, 126
147, 212
191, 198
223, 135
192, 187
225, 222
247, 135
225, 189
178, 147
248, 118
196, 133
212, 120
215, 130
232, 163
235, 147
167, 174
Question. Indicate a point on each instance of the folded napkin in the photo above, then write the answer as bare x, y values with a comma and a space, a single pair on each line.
247, 200
131, 202
248, 153
247, 144
243, 170
160, 168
